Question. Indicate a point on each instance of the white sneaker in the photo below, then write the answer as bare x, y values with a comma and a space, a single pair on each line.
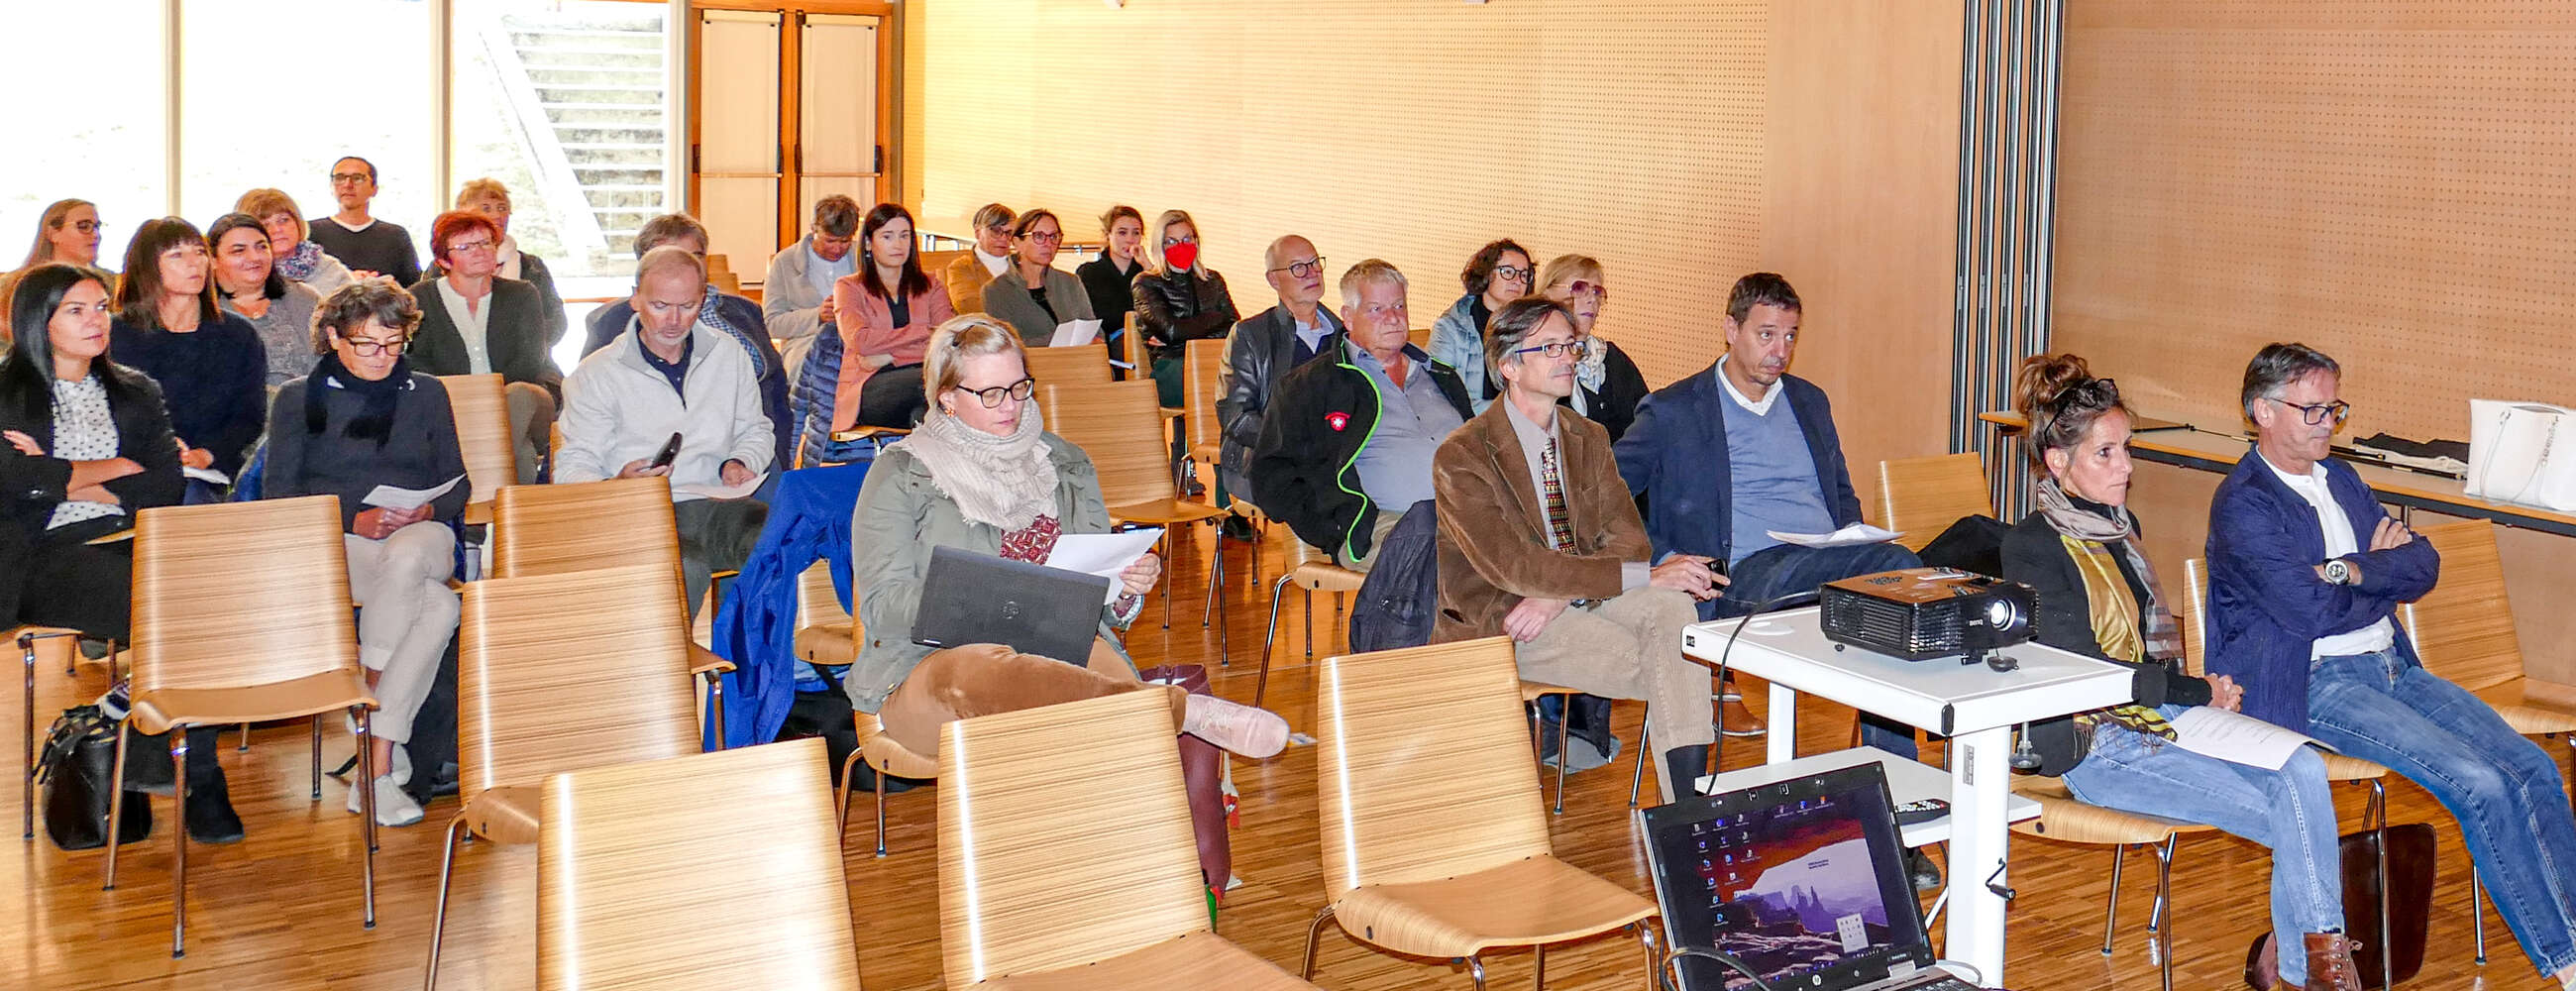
402, 754
393, 806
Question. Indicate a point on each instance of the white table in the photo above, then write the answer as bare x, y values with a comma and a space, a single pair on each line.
1908, 780
1974, 705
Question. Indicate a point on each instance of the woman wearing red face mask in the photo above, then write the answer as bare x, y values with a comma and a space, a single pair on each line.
1179, 299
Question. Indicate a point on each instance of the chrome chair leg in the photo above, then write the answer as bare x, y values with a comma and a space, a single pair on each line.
179, 843
1314, 935
438, 917
1476, 969
27, 726
1262, 683
2477, 911
1646, 938
2379, 831
1224, 629
367, 810
1538, 969
1310, 623
880, 780
2111, 910
841, 791
1165, 546
1637, 778
116, 803
2164, 891
317, 758
242, 746
1564, 718
716, 706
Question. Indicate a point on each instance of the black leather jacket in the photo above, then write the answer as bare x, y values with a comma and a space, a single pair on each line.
1258, 353
1173, 310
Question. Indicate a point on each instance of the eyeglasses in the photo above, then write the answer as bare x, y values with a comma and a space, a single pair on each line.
1045, 237
1022, 389
1511, 273
2316, 413
1585, 287
1557, 349
351, 177
1304, 268
365, 348
1170, 241
89, 226
464, 246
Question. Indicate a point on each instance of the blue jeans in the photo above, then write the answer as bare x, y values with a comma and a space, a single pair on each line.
1779, 570
2502, 787
2289, 810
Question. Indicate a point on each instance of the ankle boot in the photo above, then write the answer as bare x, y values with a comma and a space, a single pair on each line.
1683, 767
210, 806
2330, 963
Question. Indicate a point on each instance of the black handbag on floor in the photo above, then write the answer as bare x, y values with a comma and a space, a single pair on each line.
76, 770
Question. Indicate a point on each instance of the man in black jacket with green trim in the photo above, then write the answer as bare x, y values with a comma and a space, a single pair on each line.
1346, 446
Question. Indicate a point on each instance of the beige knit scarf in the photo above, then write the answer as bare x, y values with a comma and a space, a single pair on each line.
1001, 481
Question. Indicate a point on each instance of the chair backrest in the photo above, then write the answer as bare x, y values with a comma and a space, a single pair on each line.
937, 262
1202, 380
1047, 863
2463, 629
711, 870
1085, 364
577, 526
1922, 496
2195, 616
817, 602
1120, 425
532, 653
1131, 348
233, 594
481, 407
1390, 816
1420, 337
719, 263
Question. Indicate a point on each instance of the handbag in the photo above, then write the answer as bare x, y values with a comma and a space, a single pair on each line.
2522, 453
2410, 900
76, 770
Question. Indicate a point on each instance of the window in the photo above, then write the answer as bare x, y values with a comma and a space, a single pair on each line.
103, 141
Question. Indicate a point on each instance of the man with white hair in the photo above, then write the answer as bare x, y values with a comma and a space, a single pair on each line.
666, 378
1346, 447
1261, 351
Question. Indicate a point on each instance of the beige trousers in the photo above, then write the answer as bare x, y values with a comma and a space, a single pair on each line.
406, 615
1630, 647
1378, 529
532, 425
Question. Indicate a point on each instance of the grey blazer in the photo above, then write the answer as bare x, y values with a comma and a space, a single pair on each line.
900, 516
1008, 300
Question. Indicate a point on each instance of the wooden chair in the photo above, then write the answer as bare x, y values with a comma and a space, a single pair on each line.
1419, 337
482, 411
1116, 423
824, 631
1033, 893
2067, 819
241, 614
525, 714
553, 529
1922, 496
1086, 364
1455, 863
1202, 381
1312, 570
1531, 692
883, 756
937, 262
632, 867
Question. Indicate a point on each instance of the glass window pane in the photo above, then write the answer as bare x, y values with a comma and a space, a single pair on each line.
108, 146
275, 90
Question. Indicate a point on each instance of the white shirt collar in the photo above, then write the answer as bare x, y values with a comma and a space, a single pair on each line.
2316, 475
992, 263
1759, 407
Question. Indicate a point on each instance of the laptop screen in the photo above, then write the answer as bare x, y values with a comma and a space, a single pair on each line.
1803, 880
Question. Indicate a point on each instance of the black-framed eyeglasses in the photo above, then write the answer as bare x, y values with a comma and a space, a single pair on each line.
365, 348
1022, 389
1555, 349
1514, 273
1304, 268
89, 226
2316, 413
350, 177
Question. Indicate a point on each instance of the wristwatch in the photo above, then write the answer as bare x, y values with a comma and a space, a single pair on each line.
2339, 572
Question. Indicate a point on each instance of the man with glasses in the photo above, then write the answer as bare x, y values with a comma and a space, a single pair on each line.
736, 318
1261, 351
669, 377
367, 245
1538, 541
1347, 447
797, 297
965, 277
2306, 572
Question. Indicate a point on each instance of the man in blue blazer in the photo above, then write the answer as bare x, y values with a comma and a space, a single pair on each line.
2305, 575
1742, 449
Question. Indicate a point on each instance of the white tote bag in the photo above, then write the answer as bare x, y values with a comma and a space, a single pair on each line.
2522, 453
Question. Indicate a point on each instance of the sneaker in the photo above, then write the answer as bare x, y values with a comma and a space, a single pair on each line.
1235, 727
402, 754
393, 806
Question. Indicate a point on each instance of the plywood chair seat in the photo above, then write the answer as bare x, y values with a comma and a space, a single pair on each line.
2342, 768
156, 710
1163, 512
703, 661
2533, 708
828, 645
1195, 960
1325, 576
508, 814
1524, 903
884, 755
2062, 816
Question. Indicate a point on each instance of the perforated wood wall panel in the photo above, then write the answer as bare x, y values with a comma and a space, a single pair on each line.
1414, 130
2393, 182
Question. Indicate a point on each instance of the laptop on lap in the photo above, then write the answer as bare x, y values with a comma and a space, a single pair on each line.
968, 597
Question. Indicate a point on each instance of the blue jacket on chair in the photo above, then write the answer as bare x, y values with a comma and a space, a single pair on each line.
1675, 455
2267, 606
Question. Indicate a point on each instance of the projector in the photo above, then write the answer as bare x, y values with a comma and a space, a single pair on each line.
1924, 613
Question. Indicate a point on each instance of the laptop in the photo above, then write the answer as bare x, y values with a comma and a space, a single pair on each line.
1804, 881
978, 598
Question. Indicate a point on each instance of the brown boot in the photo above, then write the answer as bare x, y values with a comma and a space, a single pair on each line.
2330, 965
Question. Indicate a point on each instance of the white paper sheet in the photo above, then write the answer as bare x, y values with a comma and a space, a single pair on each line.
1103, 554
2237, 738
206, 475
1850, 536
390, 497
720, 490
1075, 332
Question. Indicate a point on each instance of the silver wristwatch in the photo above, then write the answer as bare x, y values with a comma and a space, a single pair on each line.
2339, 572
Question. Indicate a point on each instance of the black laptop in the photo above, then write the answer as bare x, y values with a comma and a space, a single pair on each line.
1031, 608
1804, 881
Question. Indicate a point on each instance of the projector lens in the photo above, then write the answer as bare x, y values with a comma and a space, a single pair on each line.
1999, 614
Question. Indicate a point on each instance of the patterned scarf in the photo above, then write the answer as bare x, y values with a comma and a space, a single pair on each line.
297, 265
2159, 632
711, 313
1004, 482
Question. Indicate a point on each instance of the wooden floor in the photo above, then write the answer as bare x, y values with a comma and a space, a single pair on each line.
281, 910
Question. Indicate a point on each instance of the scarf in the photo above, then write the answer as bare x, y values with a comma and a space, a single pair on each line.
711, 313
1591, 372
1004, 482
2159, 633
298, 265
508, 252
377, 399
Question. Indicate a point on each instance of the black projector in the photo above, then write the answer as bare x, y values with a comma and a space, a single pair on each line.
1924, 613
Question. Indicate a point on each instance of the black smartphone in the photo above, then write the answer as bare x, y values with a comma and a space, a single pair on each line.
669, 451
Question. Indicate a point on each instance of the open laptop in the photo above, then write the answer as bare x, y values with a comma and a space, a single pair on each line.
978, 598
1804, 881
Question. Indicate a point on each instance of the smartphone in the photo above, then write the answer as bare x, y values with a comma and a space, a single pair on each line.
669, 451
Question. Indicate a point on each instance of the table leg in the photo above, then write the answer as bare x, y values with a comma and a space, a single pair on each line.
1783, 719
1978, 790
